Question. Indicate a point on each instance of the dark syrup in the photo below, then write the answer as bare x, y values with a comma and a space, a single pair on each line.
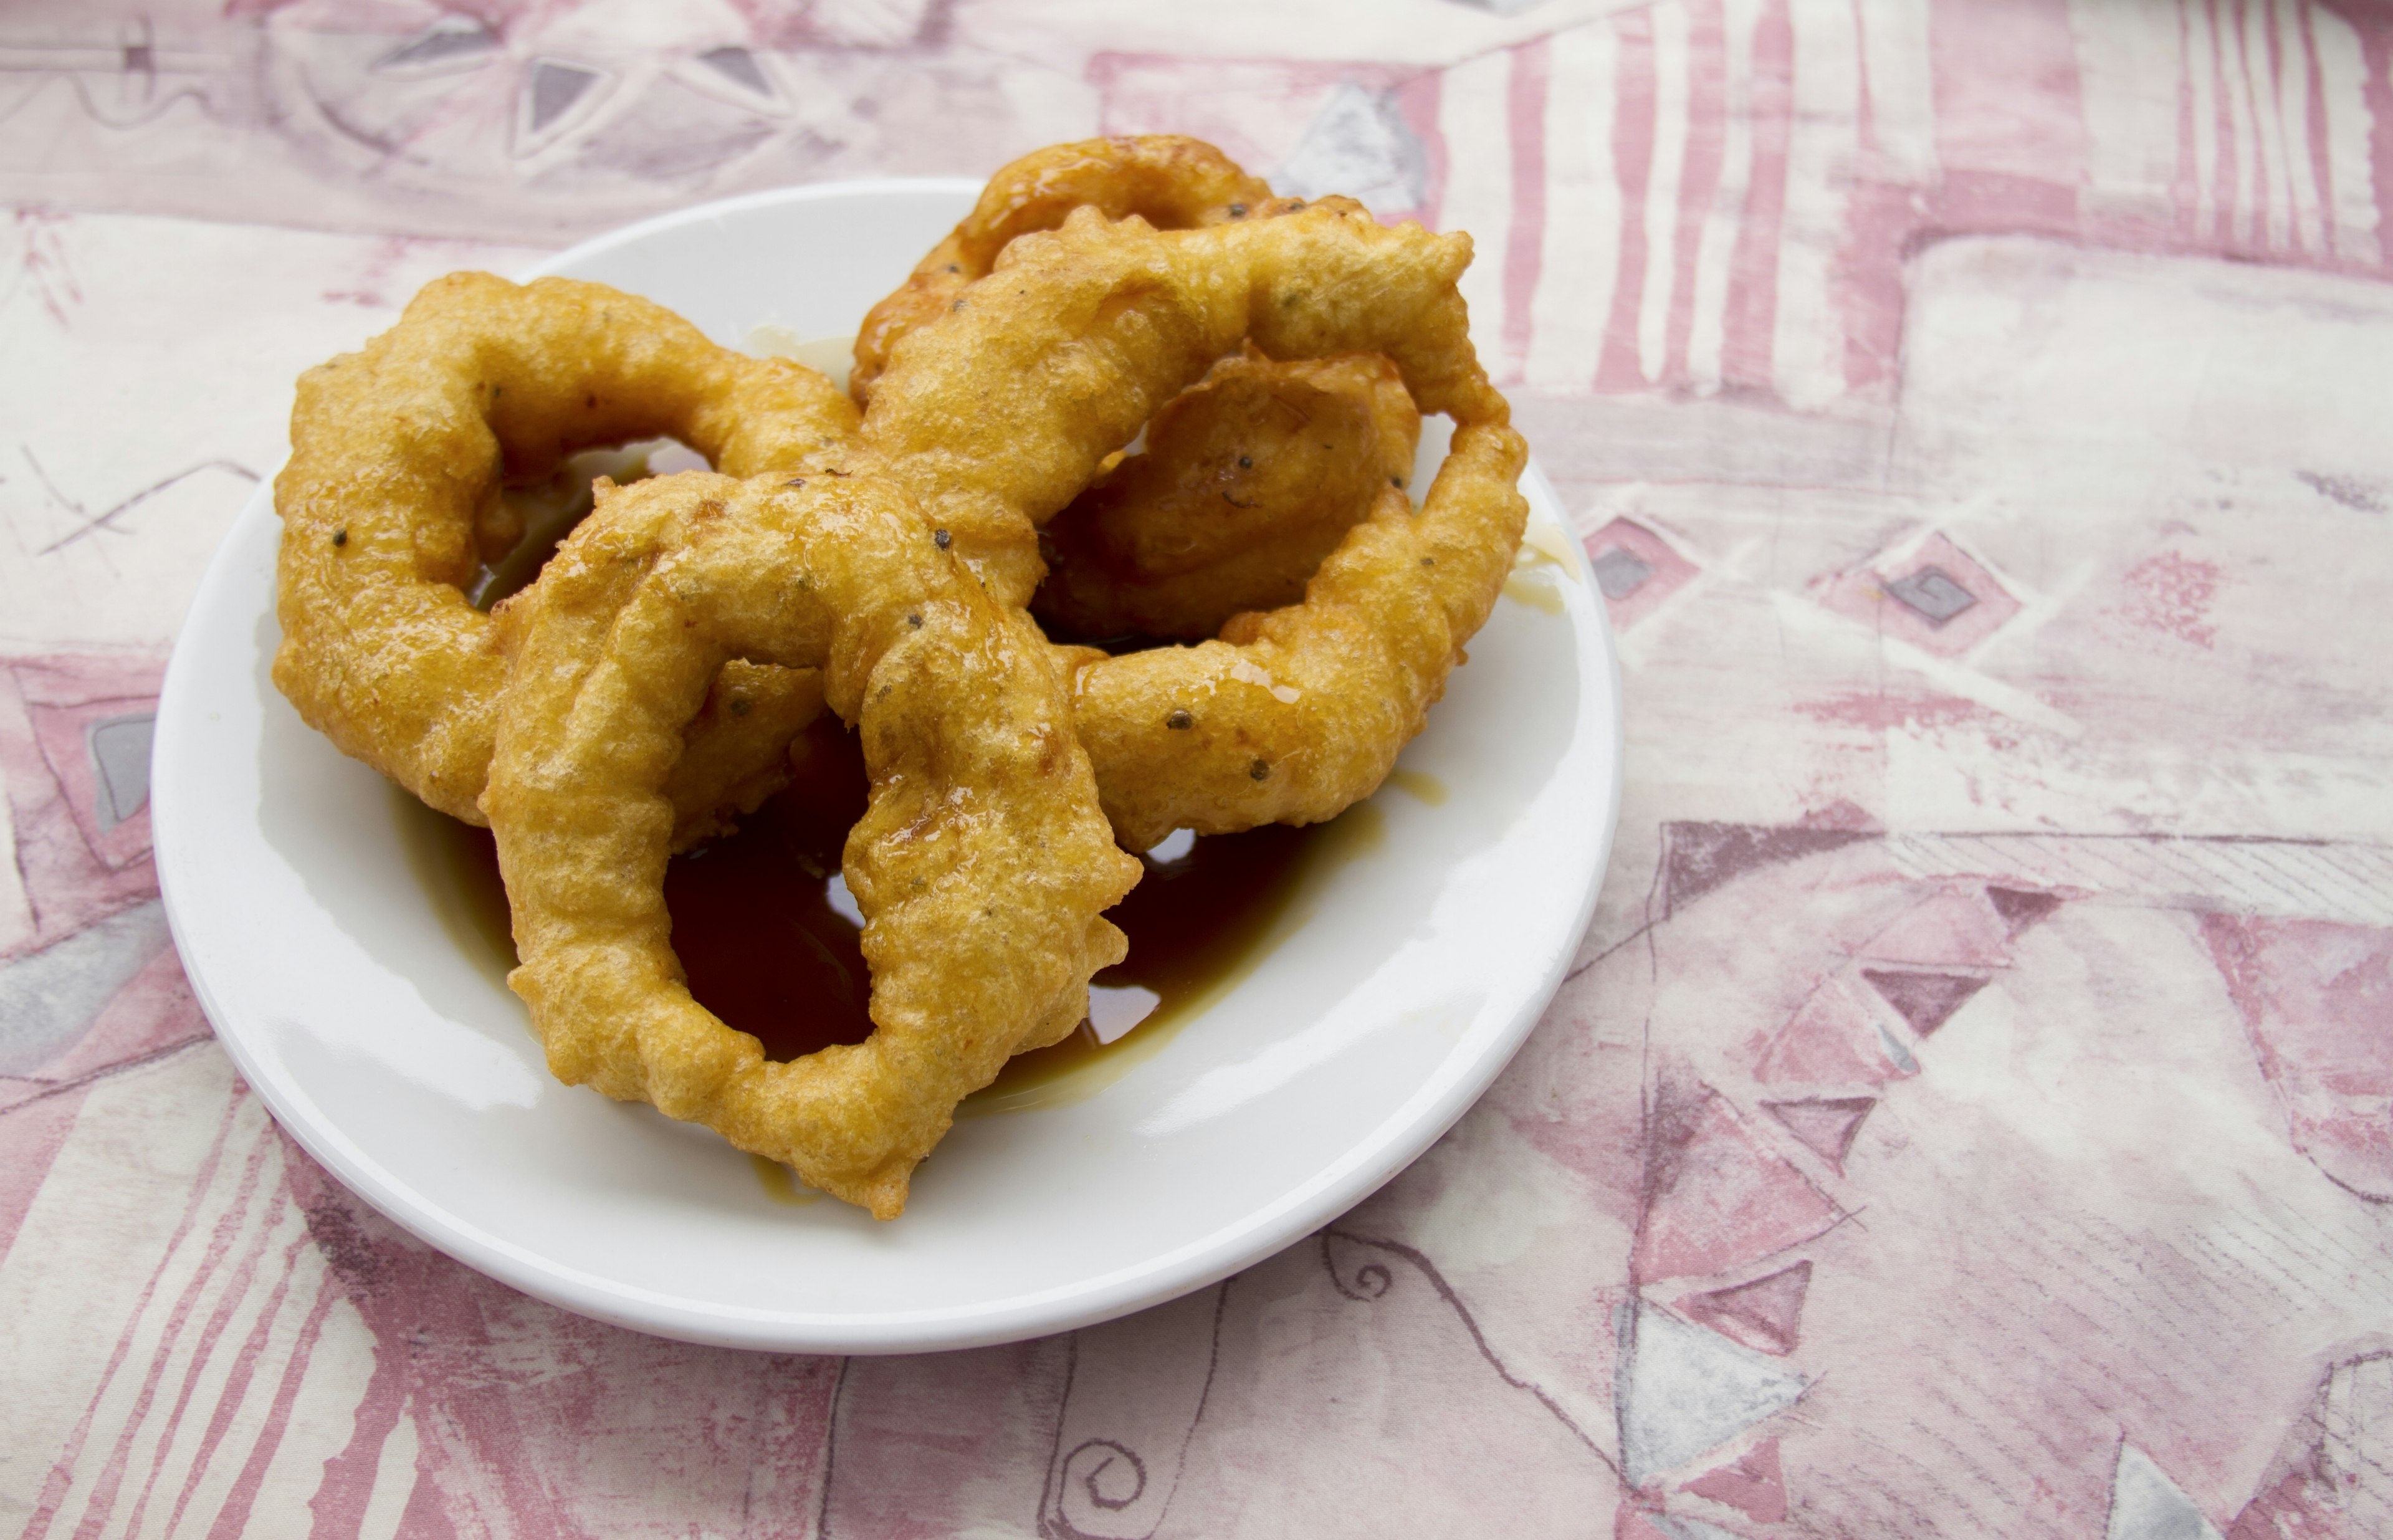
764, 932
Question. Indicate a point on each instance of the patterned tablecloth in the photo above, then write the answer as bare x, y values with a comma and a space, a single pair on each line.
1971, 1112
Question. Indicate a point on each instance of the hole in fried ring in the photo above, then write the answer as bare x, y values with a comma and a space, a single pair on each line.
1248, 480
1082, 335
982, 864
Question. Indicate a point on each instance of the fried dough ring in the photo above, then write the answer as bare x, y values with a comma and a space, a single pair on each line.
996, 415
982, 864
1108, 585
1248, 480
1293, 716
1171, 181
397, 452
998, 411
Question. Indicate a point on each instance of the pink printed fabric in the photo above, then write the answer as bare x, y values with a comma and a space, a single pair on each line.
1972, 1113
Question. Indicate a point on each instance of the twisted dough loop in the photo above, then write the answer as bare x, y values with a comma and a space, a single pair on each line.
982, 865
397, 452
1170, 181
1295, 715
1295, 506
997, 413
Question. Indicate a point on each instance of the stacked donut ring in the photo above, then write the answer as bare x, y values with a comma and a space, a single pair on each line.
641, 692
392, 495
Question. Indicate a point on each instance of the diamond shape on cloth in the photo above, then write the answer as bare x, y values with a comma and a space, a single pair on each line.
1929, 593
1932, 594
1635, 569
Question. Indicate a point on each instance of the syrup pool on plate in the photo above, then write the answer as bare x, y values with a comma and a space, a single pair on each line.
768, 934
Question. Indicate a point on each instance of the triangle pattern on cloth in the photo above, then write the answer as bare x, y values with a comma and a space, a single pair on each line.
2145, 1504
1832, 1040
1926, 1000
1698, 857
1635, 1523
1715, 1198
1945, 929
2022, 906
1681, 1391
1679, 1527
1766, 1313
1754, 1486
1825, 1125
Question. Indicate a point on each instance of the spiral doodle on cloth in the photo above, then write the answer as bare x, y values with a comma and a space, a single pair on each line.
1096, 1472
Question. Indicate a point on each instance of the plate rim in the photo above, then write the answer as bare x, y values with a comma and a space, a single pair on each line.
1375, 1158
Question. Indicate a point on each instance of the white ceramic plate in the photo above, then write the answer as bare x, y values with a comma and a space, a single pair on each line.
1401, 981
